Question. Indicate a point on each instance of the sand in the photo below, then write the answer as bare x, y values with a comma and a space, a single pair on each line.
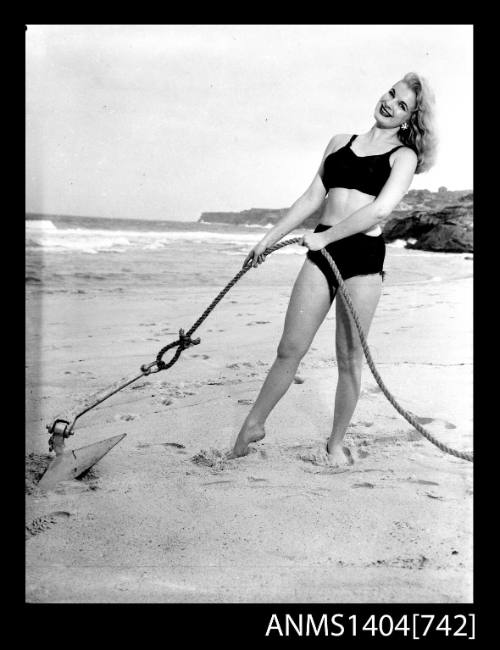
164, 517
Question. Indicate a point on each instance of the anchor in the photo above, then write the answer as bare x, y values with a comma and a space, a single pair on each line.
70, 464
73, 463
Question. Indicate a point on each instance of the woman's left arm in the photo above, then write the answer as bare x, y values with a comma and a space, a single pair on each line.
368, 216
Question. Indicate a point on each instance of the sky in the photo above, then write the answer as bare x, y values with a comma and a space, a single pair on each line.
169, 121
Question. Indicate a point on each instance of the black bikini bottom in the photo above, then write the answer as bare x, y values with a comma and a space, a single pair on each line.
357, 254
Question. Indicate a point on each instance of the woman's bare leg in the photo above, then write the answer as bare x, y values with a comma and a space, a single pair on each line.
309, 303
365, 292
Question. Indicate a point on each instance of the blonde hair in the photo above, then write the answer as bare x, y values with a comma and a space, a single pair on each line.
421, 135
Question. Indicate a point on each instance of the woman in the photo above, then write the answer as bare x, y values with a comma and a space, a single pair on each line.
364, 177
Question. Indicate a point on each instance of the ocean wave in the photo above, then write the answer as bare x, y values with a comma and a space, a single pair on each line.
293, 249
241, 225
401, 243
43, 234
397, 243
40, 225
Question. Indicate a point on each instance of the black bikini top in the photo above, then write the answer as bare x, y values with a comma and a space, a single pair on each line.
368, 174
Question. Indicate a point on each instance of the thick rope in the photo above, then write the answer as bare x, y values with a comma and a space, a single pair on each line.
185, 341
465, 455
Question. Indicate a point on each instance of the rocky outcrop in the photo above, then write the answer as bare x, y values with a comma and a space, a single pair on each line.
255, 217
449, 229
413, 200
434, 221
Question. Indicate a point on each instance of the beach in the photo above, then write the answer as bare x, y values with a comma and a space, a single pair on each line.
164, 517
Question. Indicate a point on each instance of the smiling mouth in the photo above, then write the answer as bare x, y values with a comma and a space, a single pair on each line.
384, 111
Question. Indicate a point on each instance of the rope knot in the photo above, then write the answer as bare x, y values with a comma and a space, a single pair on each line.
185, 340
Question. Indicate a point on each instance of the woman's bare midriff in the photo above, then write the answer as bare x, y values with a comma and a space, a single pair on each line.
342, 202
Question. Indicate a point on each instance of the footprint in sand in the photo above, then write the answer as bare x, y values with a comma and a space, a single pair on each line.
176, 445
140, 386
434, 496
41, 524
216, 482
126, 416
363, 485
328, 470
213, 458
422, 420
202, 356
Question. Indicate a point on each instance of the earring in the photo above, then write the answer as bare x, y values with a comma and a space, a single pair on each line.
404, 126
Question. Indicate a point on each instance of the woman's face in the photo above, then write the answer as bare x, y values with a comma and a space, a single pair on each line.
395, 106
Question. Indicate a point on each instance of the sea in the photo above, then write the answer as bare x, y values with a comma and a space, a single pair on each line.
93, 254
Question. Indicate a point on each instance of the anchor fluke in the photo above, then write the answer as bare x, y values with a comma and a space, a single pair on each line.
71, 464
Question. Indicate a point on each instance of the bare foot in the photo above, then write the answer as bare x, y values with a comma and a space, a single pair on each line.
339, 456
248, 434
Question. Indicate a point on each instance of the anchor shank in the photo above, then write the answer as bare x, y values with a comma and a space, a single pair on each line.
96, 399
63, 427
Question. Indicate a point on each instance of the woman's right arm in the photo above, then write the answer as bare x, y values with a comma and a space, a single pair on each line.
302, 208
